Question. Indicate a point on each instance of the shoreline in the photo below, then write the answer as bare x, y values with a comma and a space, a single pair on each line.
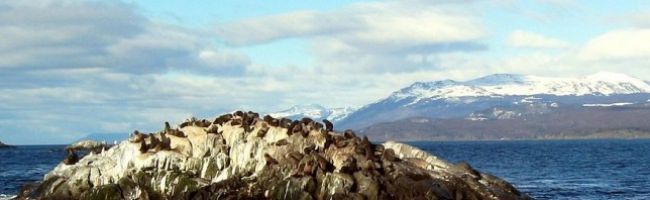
443, 140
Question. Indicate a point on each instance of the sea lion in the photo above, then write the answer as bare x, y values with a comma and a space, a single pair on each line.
305, 131
71, 158
222, 119
236, 122
212, 129
163, 144
203, 123
296, 129
296, 155
323, 163
291, 127
317, 126
340, 143
239, 113
389, 154
267, 119
349, 165
292, 161
184, 124
252, 114
306, 120
143, 147
309, 149
167, 127
349, 134
284, 122
270, 160
281, 142
137, 136
328, 125
153, 141
262, 132
275, 122
308, 168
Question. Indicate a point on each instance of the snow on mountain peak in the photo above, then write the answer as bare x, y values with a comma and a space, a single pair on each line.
499, 79
603, 83
314, 111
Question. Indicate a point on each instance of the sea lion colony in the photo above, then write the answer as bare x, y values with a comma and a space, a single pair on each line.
274, 159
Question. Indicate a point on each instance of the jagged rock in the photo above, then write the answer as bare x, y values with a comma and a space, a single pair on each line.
240, 156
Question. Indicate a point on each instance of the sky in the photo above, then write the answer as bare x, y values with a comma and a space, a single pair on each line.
72, 68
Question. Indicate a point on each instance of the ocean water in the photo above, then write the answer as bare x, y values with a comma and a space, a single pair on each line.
577, 169
25, 164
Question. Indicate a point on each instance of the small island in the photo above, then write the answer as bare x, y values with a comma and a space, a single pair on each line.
3, 145
245, 156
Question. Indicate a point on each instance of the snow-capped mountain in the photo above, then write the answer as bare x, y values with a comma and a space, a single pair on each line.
314, 111
460, 99
603, 83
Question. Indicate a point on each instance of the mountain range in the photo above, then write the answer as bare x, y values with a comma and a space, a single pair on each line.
314, 111
501, 106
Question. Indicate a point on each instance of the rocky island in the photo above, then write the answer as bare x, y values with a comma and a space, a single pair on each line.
3, 145
245, 156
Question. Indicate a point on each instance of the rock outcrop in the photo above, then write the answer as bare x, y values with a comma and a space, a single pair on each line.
3, 145
243, 156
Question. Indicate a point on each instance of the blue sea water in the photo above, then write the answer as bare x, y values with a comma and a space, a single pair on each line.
576, 169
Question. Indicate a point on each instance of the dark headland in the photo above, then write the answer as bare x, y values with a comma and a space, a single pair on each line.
245, 156
3, 145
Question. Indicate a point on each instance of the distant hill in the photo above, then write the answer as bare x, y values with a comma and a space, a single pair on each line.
625, 121
509, 106
105, 137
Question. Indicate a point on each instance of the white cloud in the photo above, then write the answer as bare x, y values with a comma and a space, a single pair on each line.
372, 37
527, 39
91, 34
626, 44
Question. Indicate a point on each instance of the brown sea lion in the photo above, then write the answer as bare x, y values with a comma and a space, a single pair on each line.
328, 125
270, 160
308, 168
297, 129
268, 118
137, 136
306, 120
239, 113
252, 114
296, 155
389, 154
275, 122
236, 122
143, 147
309, 149
317, 126
349, 165
291, 127
262, 132
349, 134
281, 142
167, 127
305, 131
72, 158
213, 129
323, 163
222, 119
284, 122
184, 124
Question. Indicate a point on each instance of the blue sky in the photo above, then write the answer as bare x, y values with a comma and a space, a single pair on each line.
70, 68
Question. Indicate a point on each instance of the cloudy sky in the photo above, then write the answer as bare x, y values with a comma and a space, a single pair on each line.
70, 68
